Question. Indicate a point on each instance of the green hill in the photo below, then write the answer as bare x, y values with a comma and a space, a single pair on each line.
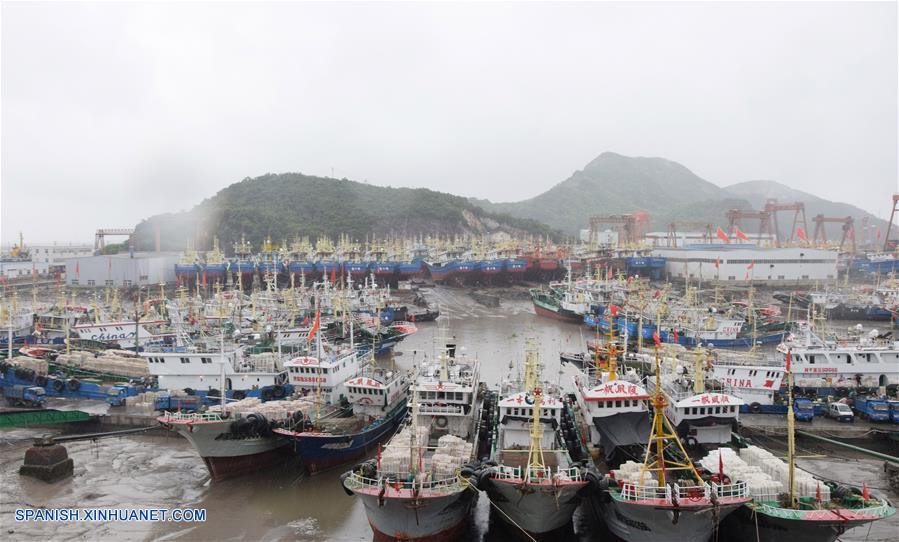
291, 204
668, 191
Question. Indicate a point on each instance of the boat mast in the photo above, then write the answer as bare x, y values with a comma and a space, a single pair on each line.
791, 437
531, 385
662, 432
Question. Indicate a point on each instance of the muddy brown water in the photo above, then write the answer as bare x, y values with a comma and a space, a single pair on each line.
142, 471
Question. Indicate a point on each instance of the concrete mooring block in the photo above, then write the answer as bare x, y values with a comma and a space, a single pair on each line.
47, 461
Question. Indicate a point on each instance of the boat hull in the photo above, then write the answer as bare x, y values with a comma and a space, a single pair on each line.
226, 457
743, 524
638, 522
432, 517
557, 314
320, 451
539, 509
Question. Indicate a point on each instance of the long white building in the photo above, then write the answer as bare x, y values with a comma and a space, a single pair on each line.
741, 263
138, 269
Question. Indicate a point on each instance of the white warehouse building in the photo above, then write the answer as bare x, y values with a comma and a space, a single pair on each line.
139, 269
740, 263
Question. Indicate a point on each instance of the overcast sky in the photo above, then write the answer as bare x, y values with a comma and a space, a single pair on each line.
115, 112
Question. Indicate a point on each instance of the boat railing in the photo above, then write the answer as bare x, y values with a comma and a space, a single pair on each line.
737, 490
191, 416
572, 474
405, 480
635, 492
440, 409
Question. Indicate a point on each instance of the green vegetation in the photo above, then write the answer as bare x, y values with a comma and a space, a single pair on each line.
291, 204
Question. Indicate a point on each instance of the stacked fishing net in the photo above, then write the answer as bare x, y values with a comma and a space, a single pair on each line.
777, 470
403, 449
451, 453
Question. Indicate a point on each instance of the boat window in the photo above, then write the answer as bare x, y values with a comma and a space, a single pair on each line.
811, 359
617, 403
702, 411
441, 395
515, 412
185, 360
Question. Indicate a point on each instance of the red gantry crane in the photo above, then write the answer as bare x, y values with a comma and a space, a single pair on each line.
772, 207
820, 235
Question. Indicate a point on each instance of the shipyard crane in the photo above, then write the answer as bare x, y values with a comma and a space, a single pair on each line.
820, 235
734, 217
886, 239
632, 226
102, 233
702, 226
772, 207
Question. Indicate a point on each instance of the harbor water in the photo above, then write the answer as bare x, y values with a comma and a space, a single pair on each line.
143, 471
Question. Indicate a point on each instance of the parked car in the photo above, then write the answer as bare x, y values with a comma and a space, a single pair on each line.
840, 411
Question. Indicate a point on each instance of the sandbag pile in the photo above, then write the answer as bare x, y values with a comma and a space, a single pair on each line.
108, 362
38, 365
451, 453
272, 410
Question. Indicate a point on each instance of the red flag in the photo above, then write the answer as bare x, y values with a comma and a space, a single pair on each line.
723, 236
751, 265
675, 336
720, 467
58, 278
717, 262
630, 279
657, 294
800, 232
878, 234
655, 337
608, 272
865, 494
306, 320
740, 235
315, 326
333, 274
818, 492
613, 309
77, 270
789, 359
3, 279
204, 278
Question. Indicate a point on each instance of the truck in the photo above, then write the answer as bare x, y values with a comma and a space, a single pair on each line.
803, 410
894, 411
173, 403
116, 395
872, 408
30, 396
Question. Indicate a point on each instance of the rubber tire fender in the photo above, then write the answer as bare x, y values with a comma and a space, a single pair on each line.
343, 478
755, 408
73, 384
58, 385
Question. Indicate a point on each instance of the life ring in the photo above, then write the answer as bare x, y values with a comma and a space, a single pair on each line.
755, 408
441, 422
691, 442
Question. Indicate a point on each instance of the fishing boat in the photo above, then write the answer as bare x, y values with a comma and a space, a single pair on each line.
789, 503
188, 266
300, 262
533, 479
237, 439
665, 498
377, 397
244, 263
559, 301
612, 406
216, 266
415, 489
